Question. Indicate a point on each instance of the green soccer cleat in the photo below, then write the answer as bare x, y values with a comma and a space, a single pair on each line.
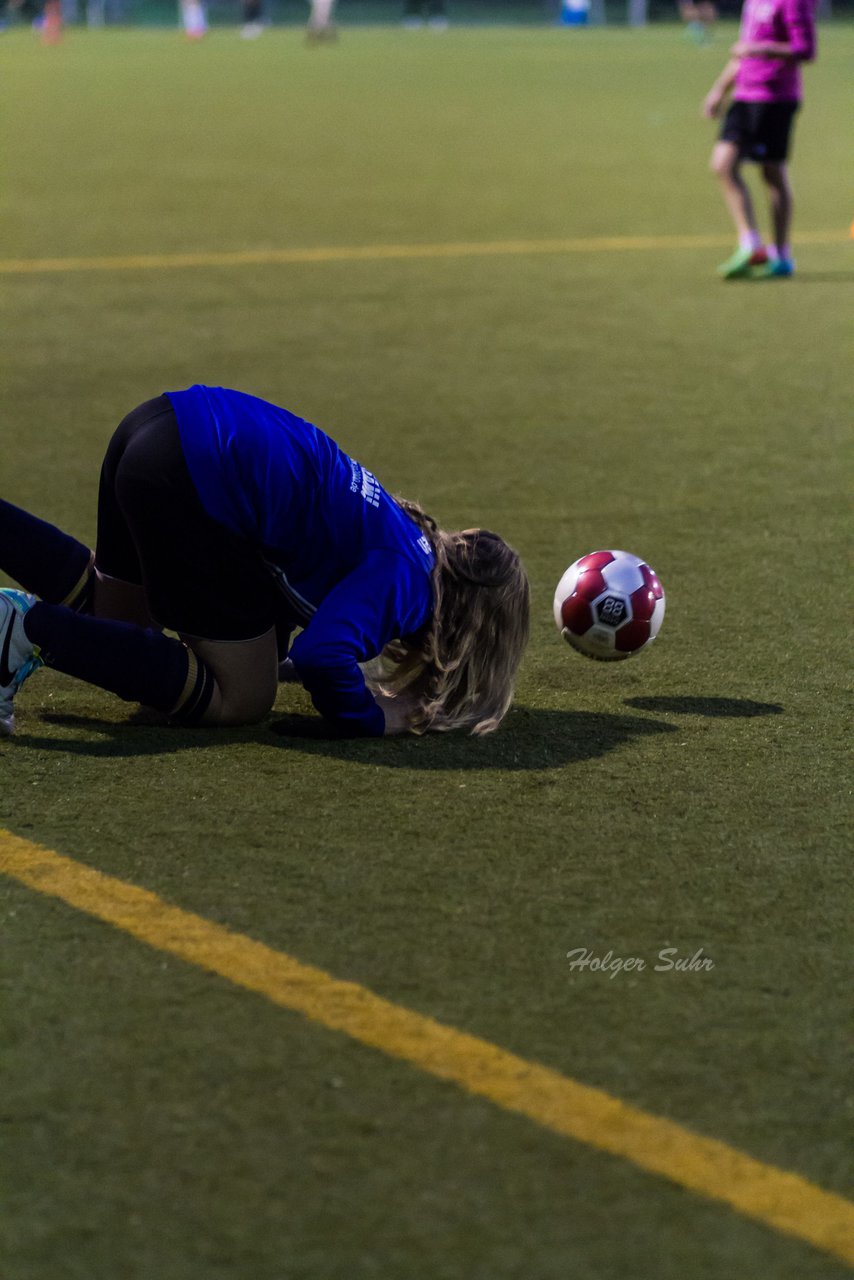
19, 657
741, 264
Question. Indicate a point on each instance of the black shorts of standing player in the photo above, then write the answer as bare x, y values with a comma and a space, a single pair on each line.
199, 578
761, 130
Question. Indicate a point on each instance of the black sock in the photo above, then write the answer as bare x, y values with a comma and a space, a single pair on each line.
139, 665
43, 559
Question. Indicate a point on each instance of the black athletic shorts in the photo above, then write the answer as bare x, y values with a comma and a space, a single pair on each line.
200, 579
760, 130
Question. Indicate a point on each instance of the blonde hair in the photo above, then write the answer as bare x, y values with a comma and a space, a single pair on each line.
459, 671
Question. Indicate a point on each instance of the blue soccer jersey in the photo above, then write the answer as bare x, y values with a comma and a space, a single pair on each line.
355, 569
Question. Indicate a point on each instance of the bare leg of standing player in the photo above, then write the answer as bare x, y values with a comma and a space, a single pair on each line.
776, 176
725, 164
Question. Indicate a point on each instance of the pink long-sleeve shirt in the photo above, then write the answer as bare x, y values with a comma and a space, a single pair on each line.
789, 22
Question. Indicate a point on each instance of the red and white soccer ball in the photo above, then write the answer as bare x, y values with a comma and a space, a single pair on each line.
609, 605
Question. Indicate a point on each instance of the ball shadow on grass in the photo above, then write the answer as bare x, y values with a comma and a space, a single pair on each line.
733, 708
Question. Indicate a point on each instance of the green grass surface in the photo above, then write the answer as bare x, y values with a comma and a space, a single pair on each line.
159, 1123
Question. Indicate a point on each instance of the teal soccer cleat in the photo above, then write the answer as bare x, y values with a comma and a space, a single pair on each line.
774, 269
19, 657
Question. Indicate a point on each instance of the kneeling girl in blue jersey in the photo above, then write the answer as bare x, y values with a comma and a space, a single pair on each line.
232, 522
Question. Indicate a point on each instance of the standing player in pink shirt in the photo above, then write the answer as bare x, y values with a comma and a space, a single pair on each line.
775, 37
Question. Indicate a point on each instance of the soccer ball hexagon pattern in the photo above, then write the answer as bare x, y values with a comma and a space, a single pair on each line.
609, 605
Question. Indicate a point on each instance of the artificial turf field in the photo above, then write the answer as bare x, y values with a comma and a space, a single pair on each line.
160, 1121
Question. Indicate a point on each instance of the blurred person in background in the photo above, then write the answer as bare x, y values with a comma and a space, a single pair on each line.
433, 12
253, 26
46, 17
193, 19
320, 24
699, 17
763, 78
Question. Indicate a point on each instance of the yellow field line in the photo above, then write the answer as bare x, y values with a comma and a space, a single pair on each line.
773, 1196
383, 252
